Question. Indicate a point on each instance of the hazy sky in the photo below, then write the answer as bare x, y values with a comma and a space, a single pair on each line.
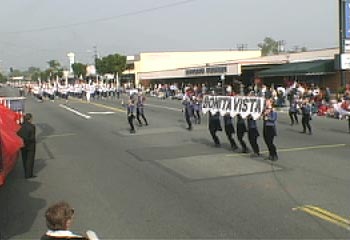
35, 31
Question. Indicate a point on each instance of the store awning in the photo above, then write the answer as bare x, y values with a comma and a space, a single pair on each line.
319, 67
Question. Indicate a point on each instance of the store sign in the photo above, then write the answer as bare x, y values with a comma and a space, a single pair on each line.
206, 71
195, 71
345, 61
234, 105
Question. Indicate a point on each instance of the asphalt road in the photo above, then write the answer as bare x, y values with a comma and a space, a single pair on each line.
166, 182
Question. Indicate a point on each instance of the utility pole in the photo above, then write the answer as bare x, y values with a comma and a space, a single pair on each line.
341, 41
95, 53
95, 60
242, 46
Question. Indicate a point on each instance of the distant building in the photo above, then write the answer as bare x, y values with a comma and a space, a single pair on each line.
210, 67
177, 66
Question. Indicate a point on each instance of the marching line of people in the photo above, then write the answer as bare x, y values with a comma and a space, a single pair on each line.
192, 109
244, 126
85, 91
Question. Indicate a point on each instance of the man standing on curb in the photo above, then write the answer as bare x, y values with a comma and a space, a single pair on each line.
27, 133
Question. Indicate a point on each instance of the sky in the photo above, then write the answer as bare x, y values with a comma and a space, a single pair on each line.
32, 32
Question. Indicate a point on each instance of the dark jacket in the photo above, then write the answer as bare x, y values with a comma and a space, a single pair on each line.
27, 133
214, 122
228, 123
252, 127
241, 127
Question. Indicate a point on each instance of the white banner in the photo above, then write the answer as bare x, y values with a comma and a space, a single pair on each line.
234, 105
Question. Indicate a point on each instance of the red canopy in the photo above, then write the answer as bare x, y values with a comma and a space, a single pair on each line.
10, 142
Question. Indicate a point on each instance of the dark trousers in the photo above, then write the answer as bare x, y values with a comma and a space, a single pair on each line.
229, 131
28, 161
306, 123
293, 118
188, 119
213, 135
197, 117
241, 141
253, 140
269, 135
131, 122
139, 112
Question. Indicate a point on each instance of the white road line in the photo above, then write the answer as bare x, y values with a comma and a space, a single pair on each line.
101, 113
75, 112
169, 108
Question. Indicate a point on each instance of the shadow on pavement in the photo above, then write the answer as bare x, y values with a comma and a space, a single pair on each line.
45, 130
18, 209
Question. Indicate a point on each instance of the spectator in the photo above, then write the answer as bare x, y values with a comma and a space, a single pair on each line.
59, 218
27, 133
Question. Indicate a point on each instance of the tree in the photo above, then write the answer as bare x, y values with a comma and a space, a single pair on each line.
32, 73
268, 47
111, 64
2, 78
79, 69
54, 69
54, 64
297, 49
16, 73
304, 49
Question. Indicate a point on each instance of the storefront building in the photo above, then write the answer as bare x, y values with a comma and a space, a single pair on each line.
230, 67
185, 66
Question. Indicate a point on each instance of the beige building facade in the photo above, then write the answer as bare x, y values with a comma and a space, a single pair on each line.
168, 65
190, 66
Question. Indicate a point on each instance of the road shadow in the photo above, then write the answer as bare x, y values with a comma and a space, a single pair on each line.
45, 130
18, 208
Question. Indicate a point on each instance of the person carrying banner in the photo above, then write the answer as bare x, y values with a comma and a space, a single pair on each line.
229, 130
241, 130
269, 132
253, 135
214, 126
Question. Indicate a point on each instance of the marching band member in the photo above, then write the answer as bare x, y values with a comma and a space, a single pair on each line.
270, 118
253, 135
293, 112
140, 109
214, 126
229, 130
188, 111
197, 109
131, 116
241, 130
306, 116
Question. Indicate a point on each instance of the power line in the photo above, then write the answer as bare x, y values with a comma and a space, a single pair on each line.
133, 13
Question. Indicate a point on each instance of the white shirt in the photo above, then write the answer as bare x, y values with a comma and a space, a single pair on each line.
61, 233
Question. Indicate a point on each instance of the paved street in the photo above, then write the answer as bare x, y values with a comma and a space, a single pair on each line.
167, 182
